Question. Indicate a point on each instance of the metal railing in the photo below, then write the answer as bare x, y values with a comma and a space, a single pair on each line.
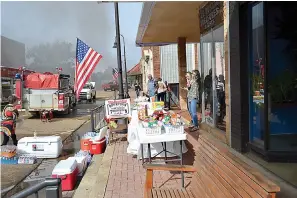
97, 117
52, 185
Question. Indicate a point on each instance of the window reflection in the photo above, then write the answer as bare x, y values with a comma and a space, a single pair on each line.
213, 78
207, 82
257, 77
219, 98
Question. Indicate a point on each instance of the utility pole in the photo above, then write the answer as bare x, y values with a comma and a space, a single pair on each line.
119, 55
125, 62
125, 65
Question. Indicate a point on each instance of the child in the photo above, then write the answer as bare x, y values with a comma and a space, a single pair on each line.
9, 115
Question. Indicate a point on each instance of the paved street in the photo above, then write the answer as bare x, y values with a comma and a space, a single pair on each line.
61, 125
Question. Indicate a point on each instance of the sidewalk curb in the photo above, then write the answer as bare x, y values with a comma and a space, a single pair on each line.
38, 164
94, 182
88, 182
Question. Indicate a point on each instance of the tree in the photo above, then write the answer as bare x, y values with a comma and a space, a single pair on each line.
46, 57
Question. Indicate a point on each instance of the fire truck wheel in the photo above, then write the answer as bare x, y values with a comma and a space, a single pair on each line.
105, 89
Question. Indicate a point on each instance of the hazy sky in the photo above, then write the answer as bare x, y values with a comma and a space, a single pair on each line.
39, 22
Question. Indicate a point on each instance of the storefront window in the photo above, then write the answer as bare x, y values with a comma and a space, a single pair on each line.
219, 97
213, 68
282, 75
257, 67
207, 96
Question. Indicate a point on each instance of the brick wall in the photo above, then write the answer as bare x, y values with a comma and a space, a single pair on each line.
156, 61
182, 69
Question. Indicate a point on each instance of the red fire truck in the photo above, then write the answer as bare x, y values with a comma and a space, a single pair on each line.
8, 80
45, 92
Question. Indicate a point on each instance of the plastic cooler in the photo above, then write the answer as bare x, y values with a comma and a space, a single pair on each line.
97, 147
41, 146
85, 144
81, 163
67, 170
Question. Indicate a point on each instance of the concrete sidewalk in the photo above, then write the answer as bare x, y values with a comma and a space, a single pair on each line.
122, 175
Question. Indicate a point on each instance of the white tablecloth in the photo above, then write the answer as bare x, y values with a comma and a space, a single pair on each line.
135, 139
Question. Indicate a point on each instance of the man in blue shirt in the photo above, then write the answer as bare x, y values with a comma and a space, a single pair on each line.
151, 86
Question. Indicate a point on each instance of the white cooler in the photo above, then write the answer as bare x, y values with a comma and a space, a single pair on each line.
81, 163
41, 147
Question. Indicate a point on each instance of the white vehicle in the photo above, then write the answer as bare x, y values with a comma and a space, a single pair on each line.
88, 92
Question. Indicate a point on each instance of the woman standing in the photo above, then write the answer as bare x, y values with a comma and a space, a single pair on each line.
188, 78
193, 97
161, 91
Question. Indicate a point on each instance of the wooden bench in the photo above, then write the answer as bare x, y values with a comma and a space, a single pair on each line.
217, 173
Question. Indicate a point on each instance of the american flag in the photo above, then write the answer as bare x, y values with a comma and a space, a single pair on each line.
86, 61
115, 73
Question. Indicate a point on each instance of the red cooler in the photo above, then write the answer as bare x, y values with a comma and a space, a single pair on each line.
97, 147
85, 144
67, 170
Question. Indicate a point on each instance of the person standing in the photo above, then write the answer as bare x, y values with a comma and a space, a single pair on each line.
137, 89
9, 117
193, 97
188, 78
161, 91
167, 95
150, 86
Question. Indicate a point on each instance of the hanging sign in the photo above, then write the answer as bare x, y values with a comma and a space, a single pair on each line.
118, 108
211, 15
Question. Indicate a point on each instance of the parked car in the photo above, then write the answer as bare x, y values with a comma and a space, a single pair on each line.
110, 86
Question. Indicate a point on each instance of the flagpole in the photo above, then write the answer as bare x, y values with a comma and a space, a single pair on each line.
119, 55
75, 66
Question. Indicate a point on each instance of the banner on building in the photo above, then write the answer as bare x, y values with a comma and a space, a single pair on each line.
118, 108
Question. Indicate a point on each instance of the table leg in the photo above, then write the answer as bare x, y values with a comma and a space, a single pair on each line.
149, 152
142, 157
181, 163
165, 150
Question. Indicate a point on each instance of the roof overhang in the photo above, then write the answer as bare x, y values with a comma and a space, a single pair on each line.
134, 71
161, 23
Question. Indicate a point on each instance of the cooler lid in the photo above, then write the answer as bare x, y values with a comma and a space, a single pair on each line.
65, 167
79, 159
39, 139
